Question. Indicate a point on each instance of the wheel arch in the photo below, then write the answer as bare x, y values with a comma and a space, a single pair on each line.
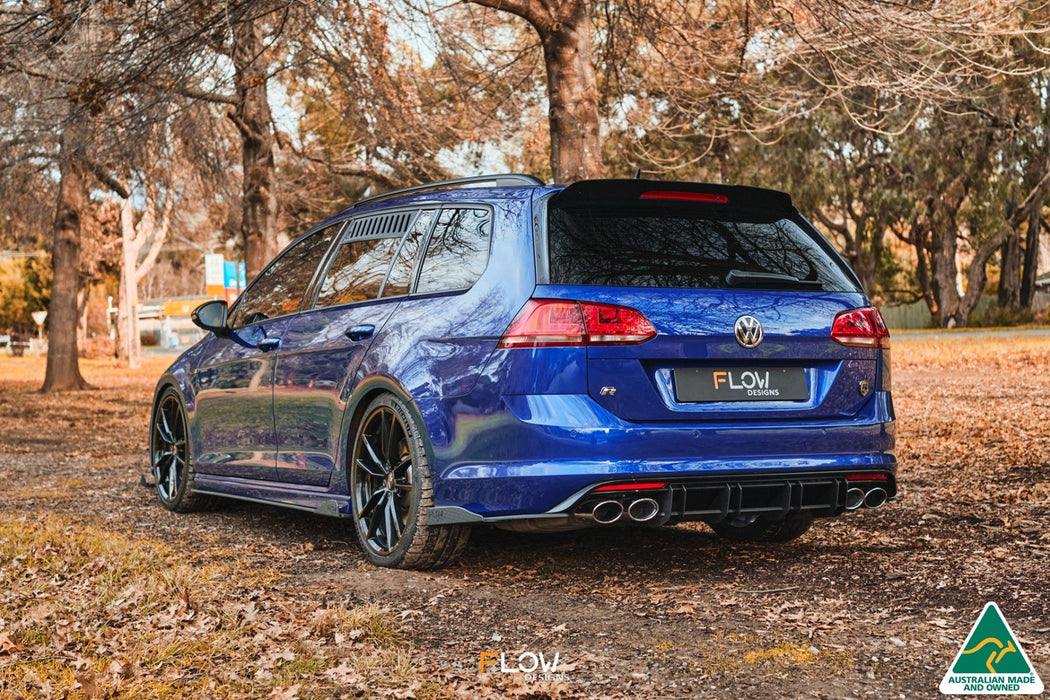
167, 381
365, 392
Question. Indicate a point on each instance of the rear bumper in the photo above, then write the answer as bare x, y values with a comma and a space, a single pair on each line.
541, 462
709, 498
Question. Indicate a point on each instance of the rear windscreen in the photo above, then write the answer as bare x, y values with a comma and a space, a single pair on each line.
682, 250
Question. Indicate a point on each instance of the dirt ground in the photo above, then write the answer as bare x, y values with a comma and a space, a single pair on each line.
874, 604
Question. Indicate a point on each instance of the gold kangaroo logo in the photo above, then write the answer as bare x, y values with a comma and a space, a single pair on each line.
997, 654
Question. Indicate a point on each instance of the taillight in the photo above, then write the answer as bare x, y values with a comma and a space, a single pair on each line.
545, 323
862, 328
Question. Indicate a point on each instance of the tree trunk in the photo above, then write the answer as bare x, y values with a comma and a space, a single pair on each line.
63, 365
564, 29
252, 117
572, 90
943, 245
1010, 271
129, 346
1031, 258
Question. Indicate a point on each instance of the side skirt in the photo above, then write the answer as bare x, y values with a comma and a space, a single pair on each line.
313, 500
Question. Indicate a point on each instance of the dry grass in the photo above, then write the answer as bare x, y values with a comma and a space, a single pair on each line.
89, 612
107, 373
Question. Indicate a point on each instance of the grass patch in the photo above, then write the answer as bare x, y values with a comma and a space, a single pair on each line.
88, 613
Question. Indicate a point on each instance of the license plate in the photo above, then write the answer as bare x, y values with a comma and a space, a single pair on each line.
741, 384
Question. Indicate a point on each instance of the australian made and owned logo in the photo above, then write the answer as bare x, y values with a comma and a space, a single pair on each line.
991, 661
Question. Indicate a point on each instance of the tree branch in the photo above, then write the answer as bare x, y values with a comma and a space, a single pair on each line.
202, 95
534, 12
107, 178
1034, 198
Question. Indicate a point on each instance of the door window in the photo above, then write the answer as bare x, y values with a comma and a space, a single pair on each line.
280, 288
400, 279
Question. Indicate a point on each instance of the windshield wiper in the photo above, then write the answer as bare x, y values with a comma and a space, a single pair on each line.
767, 280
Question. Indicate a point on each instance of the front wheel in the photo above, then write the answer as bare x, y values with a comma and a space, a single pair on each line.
390, 492
170, 459
745, 528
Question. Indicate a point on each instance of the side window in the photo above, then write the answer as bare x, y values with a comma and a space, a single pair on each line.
280, 288
400, 278
357, 271
458, 250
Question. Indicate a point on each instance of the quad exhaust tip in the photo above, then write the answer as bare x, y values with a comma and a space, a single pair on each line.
640, 510
875, 497
854, 499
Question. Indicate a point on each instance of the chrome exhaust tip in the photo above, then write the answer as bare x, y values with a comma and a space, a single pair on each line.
875, 497
643, 510
607, 512
854, 499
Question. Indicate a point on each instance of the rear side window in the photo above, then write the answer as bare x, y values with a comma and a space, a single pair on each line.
678, 249
400, 279
458, 250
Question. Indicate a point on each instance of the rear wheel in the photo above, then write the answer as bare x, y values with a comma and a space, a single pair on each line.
751, 528
391, 491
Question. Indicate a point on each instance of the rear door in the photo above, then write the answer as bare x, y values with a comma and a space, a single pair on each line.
715, 269
368, 274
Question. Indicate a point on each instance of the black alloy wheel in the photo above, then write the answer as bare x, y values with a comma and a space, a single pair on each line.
391, 492
173, 471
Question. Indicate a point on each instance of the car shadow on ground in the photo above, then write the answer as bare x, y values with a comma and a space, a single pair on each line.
657, 553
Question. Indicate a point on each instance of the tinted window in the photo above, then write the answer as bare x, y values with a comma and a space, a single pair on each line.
357, 271
279, 290
640, 249
400, 279
458, 250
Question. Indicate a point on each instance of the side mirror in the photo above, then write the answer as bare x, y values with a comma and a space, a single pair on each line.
211, 316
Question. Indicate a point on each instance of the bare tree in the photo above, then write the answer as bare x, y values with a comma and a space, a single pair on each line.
248, 37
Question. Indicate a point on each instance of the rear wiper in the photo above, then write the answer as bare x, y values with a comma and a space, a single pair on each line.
766, 280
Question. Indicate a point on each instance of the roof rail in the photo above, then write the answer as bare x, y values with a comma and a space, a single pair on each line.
506, 180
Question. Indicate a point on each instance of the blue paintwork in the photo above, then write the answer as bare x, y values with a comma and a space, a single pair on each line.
517, 432
233, 403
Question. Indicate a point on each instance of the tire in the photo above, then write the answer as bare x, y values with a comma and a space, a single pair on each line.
390, 492
757, 529
170, 461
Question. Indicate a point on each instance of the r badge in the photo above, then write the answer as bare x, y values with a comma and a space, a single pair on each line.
748, 331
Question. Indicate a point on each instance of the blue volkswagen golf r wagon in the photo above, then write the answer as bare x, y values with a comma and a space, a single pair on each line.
540, 358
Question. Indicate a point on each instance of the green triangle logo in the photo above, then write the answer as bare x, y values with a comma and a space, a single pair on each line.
991, 661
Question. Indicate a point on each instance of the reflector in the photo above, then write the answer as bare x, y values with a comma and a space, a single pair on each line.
639, 486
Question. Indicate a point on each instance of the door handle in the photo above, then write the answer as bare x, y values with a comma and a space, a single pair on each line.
268, 344
360, 332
